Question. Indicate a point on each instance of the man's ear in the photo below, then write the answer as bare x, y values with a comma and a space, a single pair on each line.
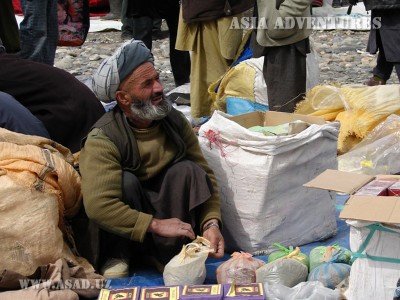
122, 98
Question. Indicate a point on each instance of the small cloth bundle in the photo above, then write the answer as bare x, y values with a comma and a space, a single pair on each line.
241, 268
323, 254
293, 253
188, 267
331, 273
287, 270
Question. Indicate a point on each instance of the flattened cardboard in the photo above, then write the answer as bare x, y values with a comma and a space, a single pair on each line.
382, 209
338, 181
273, 118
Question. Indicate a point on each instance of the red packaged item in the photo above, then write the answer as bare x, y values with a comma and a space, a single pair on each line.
241, 267
376, 187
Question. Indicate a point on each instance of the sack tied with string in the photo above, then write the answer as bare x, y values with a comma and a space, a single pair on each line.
188, 267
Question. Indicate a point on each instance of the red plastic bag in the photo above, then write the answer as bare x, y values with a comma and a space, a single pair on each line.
73, 22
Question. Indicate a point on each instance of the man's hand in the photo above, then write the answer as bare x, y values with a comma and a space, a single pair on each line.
171, 228
213, 234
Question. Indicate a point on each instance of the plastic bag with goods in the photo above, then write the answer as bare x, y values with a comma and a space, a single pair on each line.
286, 271
322, 254
311, 290
241, 267
377, 153
330, 274
358, 108
289, 252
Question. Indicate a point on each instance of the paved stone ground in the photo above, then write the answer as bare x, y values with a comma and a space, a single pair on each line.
341, 53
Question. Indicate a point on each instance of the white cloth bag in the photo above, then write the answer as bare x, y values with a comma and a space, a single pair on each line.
261, 179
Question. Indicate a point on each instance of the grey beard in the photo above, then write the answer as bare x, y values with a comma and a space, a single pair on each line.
145, 110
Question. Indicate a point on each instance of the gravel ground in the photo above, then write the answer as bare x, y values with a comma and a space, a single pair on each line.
341, 54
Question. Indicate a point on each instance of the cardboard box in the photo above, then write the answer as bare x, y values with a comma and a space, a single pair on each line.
382, 209
131, 293
273, 118
394, 190
384, 243
202, 292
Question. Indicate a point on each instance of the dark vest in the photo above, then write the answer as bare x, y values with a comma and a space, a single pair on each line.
207, 10
115, 125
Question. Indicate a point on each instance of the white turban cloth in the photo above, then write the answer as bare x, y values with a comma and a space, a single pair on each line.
114, 69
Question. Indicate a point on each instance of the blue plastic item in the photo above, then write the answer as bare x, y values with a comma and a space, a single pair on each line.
236, 106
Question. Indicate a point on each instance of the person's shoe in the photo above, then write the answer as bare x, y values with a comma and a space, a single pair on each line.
115, 10
115, 268
111, 16
126, 35
336, 4
375, 80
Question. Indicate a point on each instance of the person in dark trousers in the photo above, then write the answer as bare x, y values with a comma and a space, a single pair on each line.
143, 14
284, 50
384, 38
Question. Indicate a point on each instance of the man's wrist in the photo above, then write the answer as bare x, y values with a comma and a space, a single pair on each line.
209, 224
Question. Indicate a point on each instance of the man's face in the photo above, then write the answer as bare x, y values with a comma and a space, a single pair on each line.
145, 94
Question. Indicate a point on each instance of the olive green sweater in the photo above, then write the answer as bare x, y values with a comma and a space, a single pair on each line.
283, 22
100, 166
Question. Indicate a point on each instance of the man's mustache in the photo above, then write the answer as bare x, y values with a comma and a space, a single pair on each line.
141, 104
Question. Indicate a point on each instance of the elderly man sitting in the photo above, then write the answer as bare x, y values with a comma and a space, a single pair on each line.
145, 181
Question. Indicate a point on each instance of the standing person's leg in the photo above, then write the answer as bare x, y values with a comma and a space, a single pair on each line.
383, 69
115, 10
285, 75
39, 30
127, 22
9, 32
142, 30
215, 47
180, 60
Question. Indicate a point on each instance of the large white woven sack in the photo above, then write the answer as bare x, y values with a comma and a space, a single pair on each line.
261, 179
369, 279
29, 231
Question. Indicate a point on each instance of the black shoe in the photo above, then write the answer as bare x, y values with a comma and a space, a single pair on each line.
111, 16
